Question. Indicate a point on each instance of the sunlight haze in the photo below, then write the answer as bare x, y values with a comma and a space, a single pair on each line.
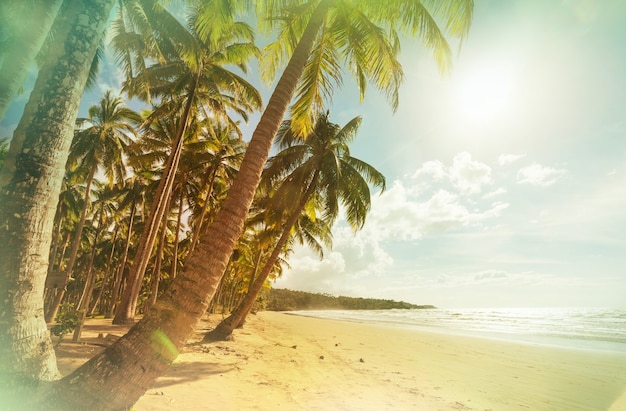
506, 178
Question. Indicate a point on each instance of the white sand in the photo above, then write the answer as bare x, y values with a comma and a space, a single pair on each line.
275, 364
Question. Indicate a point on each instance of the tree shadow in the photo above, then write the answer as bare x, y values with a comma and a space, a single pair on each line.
185, 372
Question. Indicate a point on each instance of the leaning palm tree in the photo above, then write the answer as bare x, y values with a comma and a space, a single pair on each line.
99, 146
365, 34
319, 165
220, 163
194, 76
30, 186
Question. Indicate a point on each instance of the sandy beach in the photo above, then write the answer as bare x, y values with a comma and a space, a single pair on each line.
287, 362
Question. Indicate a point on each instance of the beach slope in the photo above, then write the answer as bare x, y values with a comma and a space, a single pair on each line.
288, 362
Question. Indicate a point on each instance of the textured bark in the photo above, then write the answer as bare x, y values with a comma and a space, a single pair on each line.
90, 280
107, 274
119, 274
25, 43
30, 197
156, 273
179, 222
125, 313
124, 371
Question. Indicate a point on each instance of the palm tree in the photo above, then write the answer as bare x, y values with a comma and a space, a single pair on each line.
195, 75
29, 190
320, 166
101, 145
225, 153
132, 198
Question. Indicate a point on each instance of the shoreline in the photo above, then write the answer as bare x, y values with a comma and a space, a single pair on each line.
574, 342
288, 362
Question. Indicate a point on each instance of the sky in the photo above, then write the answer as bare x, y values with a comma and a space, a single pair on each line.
506, 179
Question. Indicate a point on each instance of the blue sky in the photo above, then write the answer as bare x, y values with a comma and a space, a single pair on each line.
506, 178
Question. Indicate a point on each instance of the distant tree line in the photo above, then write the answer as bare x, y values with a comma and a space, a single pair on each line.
288, 300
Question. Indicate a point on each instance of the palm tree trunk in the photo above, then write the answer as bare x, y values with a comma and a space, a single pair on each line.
125, 370
125, 313
85, 298
56, 238
29, 198
54, 308
24, 45
117, 282
107, 273
156, 273
205, 207
179, 221
236, 318
106, 276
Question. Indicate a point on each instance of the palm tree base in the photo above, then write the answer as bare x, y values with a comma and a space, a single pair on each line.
217, 335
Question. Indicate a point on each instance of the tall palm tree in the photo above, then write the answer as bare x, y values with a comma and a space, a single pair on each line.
225, 153
133, 195
319, 166
100, 146
149, 347
194, 76
30, 188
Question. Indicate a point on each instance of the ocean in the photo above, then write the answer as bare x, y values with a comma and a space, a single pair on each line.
579, 328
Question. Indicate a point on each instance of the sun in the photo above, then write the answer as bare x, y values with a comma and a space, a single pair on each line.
485, 94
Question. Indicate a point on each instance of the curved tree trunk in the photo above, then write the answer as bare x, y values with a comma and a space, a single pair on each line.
107, 274
56, 238
236, 318
85, 298
24, 46
179, 221
124, 371
29, 199
117, 281
156, 273
125, 313
54, 307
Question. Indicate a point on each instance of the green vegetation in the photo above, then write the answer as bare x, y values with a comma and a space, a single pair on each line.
66, 321
4, 149
280, 299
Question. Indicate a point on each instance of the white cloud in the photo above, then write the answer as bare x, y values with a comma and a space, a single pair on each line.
490, 275
428, 202
469, 176
433, 168
466, 175
506, 159
495, 193
536, 174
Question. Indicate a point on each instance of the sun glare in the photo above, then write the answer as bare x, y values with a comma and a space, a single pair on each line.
485, 95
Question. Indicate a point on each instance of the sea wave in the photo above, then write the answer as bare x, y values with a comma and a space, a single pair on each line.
585, 328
